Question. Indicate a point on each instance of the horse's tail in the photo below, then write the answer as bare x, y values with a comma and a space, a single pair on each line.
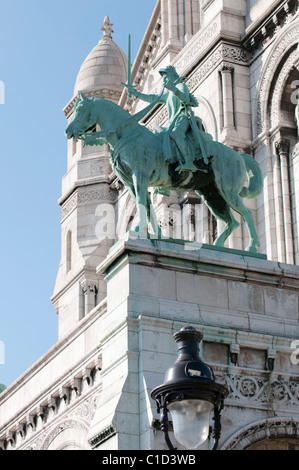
255, 177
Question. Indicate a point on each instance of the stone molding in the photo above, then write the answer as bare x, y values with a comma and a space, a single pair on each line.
285, 41
276, 95
102, 437
260, 430
206, 4
81, 196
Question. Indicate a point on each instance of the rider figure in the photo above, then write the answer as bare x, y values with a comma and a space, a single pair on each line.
179, 102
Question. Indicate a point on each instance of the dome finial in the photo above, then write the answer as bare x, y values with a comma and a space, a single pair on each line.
107, 28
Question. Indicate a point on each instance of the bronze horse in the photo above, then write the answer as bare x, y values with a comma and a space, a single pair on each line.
137, 159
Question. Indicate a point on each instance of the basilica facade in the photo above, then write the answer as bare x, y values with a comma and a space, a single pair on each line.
119, 300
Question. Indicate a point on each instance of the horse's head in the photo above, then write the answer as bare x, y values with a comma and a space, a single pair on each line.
83, 118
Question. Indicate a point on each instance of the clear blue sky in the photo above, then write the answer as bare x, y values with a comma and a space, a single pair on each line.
42, 46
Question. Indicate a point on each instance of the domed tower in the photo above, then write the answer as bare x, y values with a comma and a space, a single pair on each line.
104, 68
87, 192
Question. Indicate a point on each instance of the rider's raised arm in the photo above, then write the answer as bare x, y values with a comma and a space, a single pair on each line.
147, 98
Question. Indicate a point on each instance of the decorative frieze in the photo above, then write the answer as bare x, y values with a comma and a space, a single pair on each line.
103, 194
260, 390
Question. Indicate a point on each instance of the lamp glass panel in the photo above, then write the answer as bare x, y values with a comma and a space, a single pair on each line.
191, 421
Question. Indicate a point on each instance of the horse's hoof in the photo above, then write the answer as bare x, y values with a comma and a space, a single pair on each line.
251, 249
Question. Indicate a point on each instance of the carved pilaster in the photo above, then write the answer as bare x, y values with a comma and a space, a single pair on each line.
89, 289
226, 72
282, 147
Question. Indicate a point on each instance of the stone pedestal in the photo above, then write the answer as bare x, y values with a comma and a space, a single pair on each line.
246, 307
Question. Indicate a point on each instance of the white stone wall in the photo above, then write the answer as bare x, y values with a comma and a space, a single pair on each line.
51, 406
232, 299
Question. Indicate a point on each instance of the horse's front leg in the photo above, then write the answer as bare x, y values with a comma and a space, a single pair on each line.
140, 181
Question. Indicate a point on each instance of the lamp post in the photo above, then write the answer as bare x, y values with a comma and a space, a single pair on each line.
190, 394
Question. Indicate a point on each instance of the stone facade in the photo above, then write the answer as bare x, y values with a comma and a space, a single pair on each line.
119, 300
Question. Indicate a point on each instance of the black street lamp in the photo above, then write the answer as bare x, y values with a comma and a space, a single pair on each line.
190, 394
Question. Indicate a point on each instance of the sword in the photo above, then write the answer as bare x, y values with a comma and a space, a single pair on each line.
129, 84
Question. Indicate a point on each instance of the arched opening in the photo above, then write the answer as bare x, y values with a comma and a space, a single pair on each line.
284, 443
279, 433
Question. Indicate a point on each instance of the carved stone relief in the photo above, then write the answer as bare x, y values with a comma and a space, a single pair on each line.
285, 42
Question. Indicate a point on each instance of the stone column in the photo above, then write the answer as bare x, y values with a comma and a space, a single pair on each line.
278, 214
269, 204
164, 21
227, 97
295, 157
181, 20
283, 148
89, 289
195, 16
205, 229
173, 20
188, 20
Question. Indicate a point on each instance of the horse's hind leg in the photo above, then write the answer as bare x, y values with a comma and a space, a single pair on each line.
221, 210
236, 203
152, 219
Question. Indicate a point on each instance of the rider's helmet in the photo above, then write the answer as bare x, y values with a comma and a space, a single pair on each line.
171, 71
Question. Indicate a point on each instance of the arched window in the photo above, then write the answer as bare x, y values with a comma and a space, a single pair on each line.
69, 251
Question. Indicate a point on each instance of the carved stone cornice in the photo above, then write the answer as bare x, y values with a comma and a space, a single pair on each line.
270, 26
66, 401
104, 193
